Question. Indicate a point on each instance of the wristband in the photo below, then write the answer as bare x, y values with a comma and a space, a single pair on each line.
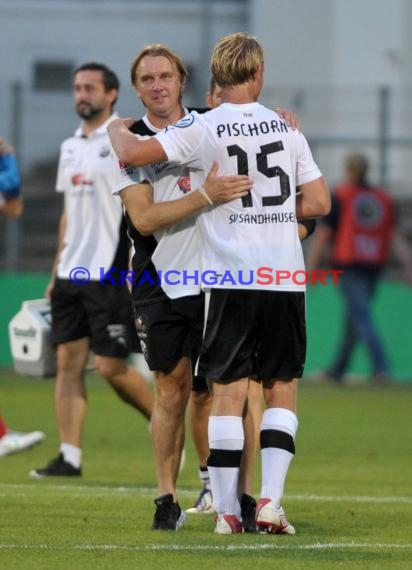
206, 195
309, 225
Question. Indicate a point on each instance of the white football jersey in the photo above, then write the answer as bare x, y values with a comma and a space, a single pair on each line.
251, 242
176, 257
94, 215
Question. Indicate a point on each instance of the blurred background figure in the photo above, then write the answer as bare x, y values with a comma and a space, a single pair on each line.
97, 314
11, 206
11, 203
13, 441
357, 236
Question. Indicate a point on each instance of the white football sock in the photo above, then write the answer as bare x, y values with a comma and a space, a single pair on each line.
275, 460
71, 454
225, 434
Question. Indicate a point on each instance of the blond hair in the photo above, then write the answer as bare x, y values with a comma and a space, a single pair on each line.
235, 59
156, 50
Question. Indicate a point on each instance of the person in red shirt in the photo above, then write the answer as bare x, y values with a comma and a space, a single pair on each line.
360, 232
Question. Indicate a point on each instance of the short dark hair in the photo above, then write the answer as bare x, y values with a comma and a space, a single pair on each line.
110, 79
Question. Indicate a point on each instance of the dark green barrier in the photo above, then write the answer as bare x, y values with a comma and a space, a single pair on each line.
393, 313
393, 310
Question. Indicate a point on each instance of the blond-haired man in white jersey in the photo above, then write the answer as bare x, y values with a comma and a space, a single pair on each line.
256, 318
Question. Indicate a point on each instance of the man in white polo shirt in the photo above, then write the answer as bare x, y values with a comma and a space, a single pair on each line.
90, 311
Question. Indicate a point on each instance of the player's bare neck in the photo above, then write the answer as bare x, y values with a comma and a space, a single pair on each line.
240, 94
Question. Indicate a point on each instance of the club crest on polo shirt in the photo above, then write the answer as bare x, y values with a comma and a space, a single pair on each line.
184, 184
104, 151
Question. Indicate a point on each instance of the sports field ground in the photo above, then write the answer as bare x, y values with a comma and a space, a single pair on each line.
349, 491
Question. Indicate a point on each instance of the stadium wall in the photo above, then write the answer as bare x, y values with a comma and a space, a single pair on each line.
324, 59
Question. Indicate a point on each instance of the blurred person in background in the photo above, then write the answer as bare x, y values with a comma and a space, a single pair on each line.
357, 237
11, 202
89, 313
11, 206
13, 441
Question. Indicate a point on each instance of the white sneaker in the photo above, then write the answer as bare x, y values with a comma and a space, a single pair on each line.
272, 520
228, 524
204, 503
13, 441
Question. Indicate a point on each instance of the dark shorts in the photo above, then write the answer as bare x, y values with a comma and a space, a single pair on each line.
169, 329
99, 311
199, 384
257, 334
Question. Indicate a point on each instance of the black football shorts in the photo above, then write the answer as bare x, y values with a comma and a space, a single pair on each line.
99, 311
170, 329
256, 334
